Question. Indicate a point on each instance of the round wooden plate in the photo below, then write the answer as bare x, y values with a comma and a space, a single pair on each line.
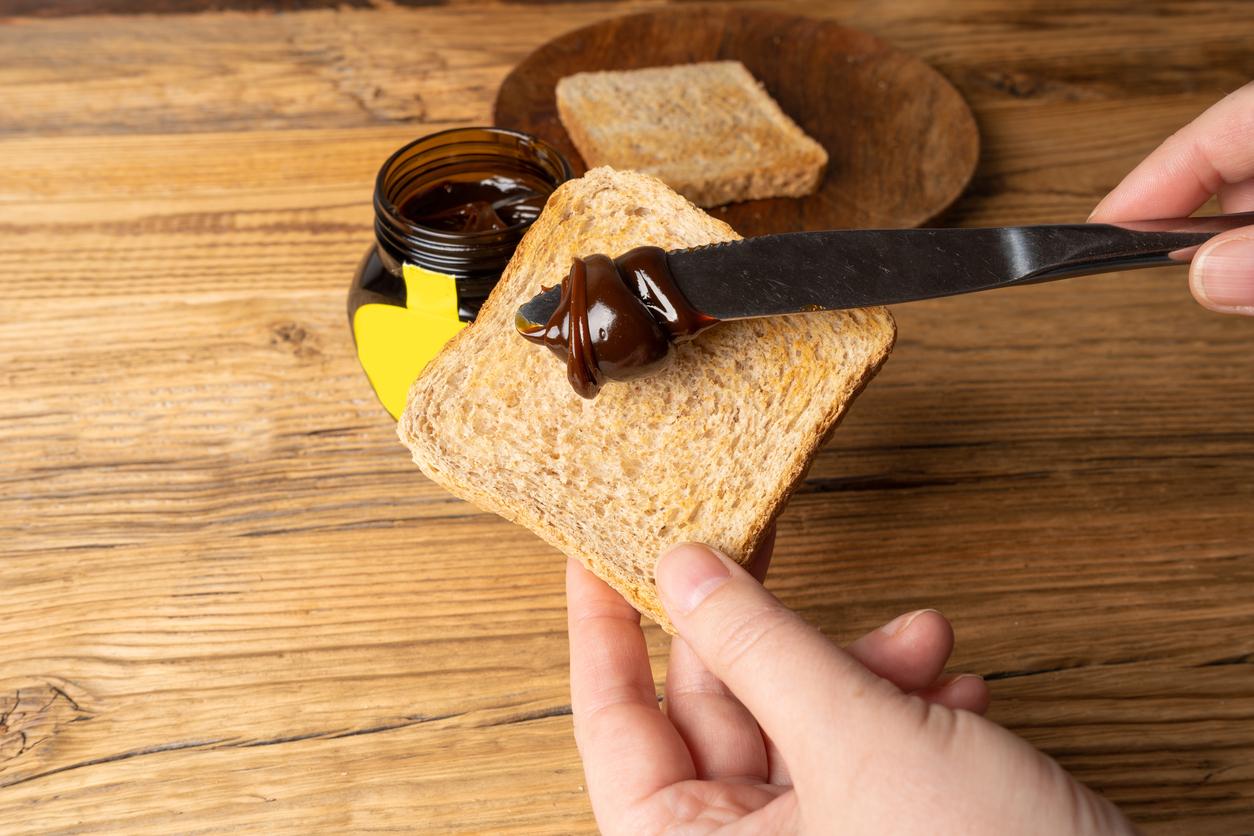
901, 140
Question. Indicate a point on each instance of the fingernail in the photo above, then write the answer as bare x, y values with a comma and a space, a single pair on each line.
950, 680
902, 623
686, 574
1225, 275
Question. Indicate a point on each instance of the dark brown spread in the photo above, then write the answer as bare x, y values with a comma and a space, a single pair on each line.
488, 204
618, 319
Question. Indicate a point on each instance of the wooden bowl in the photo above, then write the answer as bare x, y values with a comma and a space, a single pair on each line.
901, 140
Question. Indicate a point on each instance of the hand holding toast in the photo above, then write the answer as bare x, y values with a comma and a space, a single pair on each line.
770, 728
1211, 156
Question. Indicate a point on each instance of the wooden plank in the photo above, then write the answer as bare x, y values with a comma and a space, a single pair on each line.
69, 8
401, 780
254, 71
227, 600
232, 212
346, 68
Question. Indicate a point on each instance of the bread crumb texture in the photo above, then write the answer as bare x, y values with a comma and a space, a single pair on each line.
708, 130
707, 450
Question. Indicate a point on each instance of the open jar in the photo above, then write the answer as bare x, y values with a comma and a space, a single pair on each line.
450, 209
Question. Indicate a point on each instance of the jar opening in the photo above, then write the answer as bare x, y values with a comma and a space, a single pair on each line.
459, 201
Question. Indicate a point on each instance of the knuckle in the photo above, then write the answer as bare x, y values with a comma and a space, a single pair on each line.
751, 632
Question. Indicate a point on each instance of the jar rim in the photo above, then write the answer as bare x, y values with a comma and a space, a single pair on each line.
386, 209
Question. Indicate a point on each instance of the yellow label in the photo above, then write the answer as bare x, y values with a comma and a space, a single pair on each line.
395, 344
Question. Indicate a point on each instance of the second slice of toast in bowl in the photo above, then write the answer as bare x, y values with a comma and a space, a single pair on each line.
708, 130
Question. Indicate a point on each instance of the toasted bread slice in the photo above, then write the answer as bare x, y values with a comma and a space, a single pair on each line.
707, 450
708, 130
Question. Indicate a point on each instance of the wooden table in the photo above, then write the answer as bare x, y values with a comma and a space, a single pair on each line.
228, 600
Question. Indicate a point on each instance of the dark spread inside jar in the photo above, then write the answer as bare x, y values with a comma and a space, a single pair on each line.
617, 319
484, 204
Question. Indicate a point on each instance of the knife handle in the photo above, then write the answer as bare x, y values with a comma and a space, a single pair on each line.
1065, 250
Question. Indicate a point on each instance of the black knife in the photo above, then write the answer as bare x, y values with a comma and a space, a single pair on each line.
797, 272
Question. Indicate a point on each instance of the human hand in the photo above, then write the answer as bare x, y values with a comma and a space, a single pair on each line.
1212, 155
770, 728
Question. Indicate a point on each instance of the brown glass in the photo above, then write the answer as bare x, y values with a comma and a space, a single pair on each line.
462, 157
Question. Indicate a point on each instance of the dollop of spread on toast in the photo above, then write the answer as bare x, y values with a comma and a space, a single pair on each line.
617, 319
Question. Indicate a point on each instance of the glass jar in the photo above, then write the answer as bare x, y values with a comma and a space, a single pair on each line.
450, 209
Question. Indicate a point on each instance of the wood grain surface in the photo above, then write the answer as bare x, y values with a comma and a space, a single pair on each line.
228, 602
906, 155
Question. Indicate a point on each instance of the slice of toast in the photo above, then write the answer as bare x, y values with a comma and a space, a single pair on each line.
708, 450
708, 130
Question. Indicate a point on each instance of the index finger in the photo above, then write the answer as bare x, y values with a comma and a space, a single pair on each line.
630, 749
1208, 156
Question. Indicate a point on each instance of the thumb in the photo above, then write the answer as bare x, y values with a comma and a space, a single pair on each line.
785, 672
1222, 274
